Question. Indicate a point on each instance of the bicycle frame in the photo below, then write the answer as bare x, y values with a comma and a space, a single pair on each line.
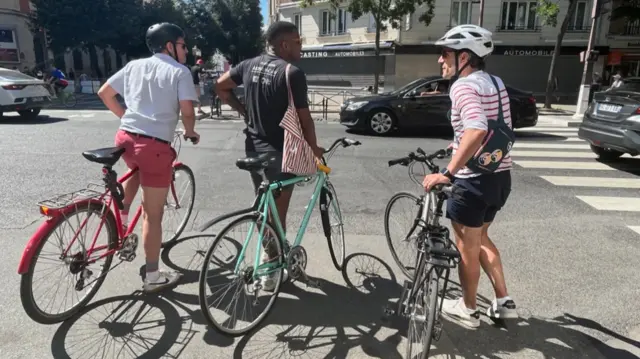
54, 216
267, 202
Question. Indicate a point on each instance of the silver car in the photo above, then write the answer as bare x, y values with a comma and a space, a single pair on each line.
23, 94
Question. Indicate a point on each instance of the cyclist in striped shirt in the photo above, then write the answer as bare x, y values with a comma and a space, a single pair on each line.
474, 102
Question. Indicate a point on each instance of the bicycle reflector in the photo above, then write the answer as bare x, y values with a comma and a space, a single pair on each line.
44, 210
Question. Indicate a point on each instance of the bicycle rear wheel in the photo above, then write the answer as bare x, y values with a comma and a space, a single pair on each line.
223, 266
175, 201
81, 277
422, 317
330, 212
401, 237
70, 100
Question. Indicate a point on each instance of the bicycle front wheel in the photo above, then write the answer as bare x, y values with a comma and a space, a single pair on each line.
332, 224
179, 204
401, 218
422, 317
220, 277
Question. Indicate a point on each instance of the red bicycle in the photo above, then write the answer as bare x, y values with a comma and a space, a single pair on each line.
79, 259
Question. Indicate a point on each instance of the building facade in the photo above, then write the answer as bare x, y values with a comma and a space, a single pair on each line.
339, 49
19, 48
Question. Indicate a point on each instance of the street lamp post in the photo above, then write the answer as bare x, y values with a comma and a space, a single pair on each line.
585, 88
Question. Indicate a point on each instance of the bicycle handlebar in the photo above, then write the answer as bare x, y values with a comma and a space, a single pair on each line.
181, 131
422, 157
343, 142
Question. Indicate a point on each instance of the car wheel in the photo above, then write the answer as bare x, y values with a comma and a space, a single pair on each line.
30, 114
606, 154
381, 122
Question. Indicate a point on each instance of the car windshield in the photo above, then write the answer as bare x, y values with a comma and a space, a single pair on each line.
630, 85
405, 88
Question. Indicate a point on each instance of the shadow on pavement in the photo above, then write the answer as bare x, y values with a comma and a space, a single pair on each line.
330, 321
40, 120
440, 133
538, 136
128, 326
629, 165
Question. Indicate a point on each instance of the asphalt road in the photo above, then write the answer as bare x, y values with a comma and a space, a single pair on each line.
568, 237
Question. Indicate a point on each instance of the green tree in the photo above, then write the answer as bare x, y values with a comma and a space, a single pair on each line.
629, 9
208, 37
240, 25
384, 12
548, 11
71, 23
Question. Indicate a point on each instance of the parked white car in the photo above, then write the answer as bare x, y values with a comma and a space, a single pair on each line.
23, 94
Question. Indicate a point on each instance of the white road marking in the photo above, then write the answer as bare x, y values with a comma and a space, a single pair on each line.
626, 204
557, 154
547, 129
634, 228
551, 146
600, 182
564, 165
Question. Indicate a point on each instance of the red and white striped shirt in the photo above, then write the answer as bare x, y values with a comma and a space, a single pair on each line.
474, 101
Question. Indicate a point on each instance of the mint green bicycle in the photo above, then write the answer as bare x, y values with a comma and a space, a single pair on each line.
264, 274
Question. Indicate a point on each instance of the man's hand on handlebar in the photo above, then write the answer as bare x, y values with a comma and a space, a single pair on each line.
192, 136
318, 151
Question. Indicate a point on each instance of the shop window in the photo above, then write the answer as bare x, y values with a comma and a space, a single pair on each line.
460, 13
519, 16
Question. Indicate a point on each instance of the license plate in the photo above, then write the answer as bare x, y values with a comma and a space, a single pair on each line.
609, 108
37, 99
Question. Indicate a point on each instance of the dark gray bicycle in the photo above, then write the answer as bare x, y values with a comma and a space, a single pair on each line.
434, 252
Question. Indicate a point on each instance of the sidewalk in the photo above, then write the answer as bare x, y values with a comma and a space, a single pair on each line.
558, 115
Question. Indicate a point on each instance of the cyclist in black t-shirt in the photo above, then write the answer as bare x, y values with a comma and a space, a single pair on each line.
267, 99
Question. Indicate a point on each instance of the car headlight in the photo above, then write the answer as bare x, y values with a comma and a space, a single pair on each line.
356, 105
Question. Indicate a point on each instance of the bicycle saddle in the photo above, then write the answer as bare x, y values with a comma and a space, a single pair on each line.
256, 163
105, 156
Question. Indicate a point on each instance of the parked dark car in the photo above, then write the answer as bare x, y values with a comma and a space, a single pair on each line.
409, 108
611, 123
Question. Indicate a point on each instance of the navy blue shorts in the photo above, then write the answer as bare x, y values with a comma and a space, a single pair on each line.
480, 198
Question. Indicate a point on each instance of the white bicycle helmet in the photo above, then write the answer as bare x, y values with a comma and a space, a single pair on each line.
468, 37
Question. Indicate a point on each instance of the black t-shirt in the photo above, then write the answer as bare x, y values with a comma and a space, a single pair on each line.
195, 73
267, 98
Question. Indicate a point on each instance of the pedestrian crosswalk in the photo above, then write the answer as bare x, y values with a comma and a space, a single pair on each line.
556, 155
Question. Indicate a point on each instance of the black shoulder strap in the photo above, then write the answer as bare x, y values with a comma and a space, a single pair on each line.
500, 114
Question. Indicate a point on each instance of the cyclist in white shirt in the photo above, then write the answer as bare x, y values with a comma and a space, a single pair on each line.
155, 89
474, 102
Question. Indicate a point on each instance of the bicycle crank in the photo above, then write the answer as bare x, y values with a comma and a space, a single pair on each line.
437, 330
129, 246
296, 265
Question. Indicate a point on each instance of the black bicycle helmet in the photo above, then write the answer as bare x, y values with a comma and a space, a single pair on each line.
159, 34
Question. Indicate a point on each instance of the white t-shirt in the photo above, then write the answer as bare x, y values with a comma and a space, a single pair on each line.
474, 101
152, 89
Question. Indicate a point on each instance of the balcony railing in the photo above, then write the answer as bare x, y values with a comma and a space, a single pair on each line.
518, 28
578, 28
632, 29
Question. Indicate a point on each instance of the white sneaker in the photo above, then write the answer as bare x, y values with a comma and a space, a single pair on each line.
269, 281
456, 310
162, 280
505, 311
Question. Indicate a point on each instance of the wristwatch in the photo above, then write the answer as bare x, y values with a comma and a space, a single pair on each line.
448, 174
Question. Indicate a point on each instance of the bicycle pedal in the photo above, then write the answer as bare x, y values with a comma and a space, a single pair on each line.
127, 256
388, 311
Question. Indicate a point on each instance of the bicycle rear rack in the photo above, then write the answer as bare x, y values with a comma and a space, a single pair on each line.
65, 200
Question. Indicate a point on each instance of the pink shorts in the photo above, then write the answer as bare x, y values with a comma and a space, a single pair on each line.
153, 158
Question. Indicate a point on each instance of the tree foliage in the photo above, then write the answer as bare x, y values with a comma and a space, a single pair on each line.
234, 27
626, 9
384, 12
